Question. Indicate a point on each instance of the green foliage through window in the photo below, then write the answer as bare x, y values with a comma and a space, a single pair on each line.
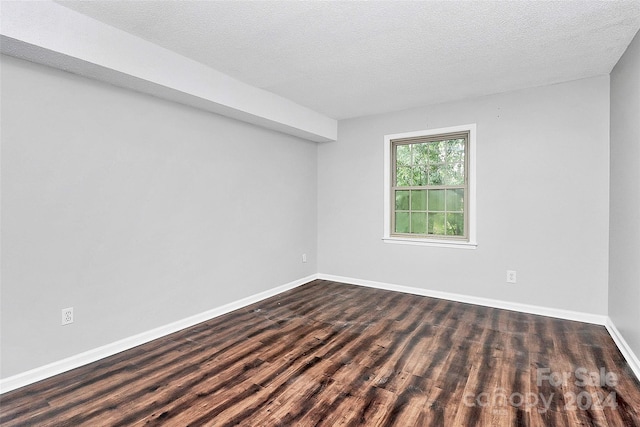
429, 186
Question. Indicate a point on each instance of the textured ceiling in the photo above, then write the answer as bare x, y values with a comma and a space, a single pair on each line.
348, 59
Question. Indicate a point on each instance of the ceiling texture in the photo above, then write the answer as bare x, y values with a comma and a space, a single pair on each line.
347, 59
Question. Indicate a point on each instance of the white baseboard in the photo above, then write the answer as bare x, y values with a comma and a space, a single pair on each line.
55, 368
623, 346
487, 302
596, 319
64, 365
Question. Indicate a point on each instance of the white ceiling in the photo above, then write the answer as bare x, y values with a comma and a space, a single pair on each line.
347, 59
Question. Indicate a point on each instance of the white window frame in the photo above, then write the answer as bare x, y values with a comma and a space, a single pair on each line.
470, 200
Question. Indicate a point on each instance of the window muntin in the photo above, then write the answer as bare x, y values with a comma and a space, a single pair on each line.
430, 186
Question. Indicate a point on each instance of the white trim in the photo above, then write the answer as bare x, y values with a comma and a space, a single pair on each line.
624, 347
64, 365
597, 319
487, 302
438, 243
471, 199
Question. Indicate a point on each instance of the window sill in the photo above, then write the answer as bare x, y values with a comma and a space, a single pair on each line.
430, 242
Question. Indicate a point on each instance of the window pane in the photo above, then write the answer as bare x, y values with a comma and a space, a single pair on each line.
455, 224
420, 154
403, 176
436, 200
436, 223
453, 173
402, 200
454, 151
419, 222
435, 175
455, 200
402, 222
420, 177
403, 155
418, 200
436, 152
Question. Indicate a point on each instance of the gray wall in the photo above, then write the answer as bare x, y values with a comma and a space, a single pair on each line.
542, 199
137, 212
624, 231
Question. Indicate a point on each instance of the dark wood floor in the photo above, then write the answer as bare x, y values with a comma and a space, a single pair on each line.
333, 354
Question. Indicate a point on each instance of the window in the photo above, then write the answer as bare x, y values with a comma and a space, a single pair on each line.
430, 187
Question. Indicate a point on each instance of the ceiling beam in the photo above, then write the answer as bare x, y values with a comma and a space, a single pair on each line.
51, 34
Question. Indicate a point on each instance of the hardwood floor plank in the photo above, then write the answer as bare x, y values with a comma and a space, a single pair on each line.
330, 354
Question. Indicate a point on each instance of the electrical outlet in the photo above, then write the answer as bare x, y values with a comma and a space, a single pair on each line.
511, 276
67, 315
304, 257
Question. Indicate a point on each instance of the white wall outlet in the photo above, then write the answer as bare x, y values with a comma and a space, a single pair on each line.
67, 315
511, 276
304, 257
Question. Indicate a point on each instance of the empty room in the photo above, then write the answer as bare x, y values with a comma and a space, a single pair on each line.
320, 213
